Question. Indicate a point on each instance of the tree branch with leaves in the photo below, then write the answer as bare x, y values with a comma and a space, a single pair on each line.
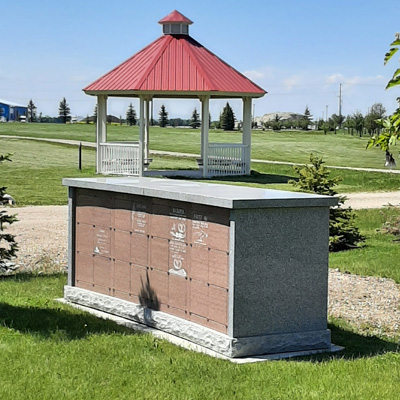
391, 125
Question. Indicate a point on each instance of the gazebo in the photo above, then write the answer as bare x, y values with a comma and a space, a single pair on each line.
173, 66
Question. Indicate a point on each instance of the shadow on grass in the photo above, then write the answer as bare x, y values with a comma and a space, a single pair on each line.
356, 346
256, 177
56, 323
28, 276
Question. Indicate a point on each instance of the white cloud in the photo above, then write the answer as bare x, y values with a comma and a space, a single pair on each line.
261, 75
292, 81
354, 80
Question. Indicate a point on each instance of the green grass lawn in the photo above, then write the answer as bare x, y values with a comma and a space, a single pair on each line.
34, 175
287, 146
51, 351
379, 256
37, 168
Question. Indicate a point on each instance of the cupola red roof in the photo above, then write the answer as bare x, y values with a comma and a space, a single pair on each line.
175, 17
175, 65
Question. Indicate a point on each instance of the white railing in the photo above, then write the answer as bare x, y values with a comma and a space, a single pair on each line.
119, 158
226, 159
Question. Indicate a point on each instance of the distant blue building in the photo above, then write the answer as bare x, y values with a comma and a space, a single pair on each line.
10, 111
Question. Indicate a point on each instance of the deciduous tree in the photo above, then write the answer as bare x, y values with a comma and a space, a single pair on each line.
391, 125
358, 119
337, 121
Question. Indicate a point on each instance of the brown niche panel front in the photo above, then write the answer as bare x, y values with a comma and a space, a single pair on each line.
167, 255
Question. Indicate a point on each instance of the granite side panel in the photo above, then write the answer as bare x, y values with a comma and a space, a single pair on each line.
280, 270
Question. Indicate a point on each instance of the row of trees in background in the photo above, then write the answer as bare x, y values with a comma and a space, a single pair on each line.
226, 120
64, 113
356, 123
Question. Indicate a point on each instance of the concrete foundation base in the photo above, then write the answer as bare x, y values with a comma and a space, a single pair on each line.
199, 338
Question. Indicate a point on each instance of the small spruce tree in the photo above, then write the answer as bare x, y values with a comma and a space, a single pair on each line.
306, 119
131, 115
227, 118
195, 120
163, 119
31, 111
314, 178
8, 245
95, 114
64, 111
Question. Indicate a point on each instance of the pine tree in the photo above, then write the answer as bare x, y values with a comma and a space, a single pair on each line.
314, 178
31, 111
64, 111
306, 120
8, 252
163, 119
131, 115
195, 120
227, 119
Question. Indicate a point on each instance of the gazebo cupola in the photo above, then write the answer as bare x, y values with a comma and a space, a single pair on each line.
175, 24
173, 66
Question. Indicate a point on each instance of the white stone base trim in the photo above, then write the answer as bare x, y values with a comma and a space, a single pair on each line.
299, 343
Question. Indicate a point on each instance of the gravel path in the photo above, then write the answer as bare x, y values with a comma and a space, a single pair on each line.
372, 200
372, 304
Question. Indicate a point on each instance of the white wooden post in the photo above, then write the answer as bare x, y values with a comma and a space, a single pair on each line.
205, 112
141, 136
101, 136
201, 135
146, 130
246, 136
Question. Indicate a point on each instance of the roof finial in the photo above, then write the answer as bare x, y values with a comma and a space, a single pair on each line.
175, 23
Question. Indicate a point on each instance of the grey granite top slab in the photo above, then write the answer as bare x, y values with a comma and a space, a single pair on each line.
225, 196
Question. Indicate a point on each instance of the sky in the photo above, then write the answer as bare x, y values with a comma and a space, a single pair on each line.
298, 51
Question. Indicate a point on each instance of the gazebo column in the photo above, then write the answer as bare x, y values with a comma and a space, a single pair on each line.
246, 136
205, 112
142, 129
146, 131
101, 130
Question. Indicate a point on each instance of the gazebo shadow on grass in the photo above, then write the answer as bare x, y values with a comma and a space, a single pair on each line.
355, 346
254, 177
257, 177
56, 323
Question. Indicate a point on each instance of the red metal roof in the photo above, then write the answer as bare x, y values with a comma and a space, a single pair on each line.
175, 16
174, 65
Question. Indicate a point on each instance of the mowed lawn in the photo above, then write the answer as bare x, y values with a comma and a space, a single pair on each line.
34, 176
51, 351
341, 149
